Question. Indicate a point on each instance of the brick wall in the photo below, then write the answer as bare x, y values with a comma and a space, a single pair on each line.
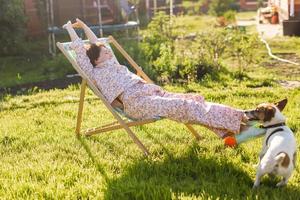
250, 4
34, 24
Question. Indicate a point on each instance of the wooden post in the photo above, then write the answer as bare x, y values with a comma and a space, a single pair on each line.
171, 8
193, 131
83, 10
100, 18
147, 9
80, 108
155, 6
292, 8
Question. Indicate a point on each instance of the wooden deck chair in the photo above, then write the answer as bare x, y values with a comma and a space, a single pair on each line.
120, 122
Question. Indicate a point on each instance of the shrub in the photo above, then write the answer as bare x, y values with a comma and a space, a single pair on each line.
157, 43
12, 20
212, 44
219, 7
242, 48
159, 32
230, 17
172, 58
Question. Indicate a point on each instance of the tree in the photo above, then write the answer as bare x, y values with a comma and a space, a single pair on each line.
12, 20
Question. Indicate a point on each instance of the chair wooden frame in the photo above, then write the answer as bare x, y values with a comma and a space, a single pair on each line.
120, 123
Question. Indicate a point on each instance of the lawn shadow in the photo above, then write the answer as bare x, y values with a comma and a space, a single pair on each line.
98, 166
192, 174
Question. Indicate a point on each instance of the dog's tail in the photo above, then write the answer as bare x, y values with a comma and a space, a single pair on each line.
283, 159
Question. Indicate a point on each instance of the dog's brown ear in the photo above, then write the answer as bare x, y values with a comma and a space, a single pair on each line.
269, 113
281, 104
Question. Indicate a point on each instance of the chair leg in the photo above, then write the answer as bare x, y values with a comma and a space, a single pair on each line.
80, 108
137, 141
115, 126
193, 131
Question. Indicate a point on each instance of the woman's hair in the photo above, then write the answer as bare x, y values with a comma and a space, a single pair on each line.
93, 52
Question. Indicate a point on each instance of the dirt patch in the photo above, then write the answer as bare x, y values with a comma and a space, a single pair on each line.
282, 68
289, 84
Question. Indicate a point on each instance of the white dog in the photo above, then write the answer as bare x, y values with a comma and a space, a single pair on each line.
278, 155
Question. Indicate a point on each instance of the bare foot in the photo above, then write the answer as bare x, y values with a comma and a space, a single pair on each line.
245, 119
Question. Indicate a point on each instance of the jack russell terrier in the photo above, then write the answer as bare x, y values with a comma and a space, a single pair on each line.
278, 155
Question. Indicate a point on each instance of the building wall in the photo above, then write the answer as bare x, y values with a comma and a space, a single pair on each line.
297, 9
65, 10
284, 8
249, 4
34, 23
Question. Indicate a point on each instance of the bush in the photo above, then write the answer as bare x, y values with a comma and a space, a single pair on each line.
230, 17
242, 48
160, 31
212, 44
12, 20
219, 7
172, 58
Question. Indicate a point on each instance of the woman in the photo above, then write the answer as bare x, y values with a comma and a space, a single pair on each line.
143, 100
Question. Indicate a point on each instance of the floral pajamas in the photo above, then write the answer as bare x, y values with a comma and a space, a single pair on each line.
146, 101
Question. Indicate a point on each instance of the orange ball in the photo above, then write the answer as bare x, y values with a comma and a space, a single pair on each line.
230, 141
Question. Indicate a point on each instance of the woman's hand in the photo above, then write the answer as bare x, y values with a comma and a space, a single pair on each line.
78, 24
67, 25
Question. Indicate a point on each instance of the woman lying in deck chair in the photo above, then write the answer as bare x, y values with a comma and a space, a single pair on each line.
141, 100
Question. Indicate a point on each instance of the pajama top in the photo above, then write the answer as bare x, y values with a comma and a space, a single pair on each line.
111, 78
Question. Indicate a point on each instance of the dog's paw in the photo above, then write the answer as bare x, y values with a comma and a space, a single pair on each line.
256, 184
254, 187
281, 184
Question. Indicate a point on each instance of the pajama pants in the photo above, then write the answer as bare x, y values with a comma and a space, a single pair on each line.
147, 101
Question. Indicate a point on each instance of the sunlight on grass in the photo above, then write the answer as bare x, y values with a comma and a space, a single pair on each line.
41, 157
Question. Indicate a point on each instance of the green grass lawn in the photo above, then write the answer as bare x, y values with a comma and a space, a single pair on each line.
247, 15
20, 70
42, 159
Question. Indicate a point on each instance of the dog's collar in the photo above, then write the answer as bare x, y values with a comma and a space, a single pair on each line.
273, 125
272, 133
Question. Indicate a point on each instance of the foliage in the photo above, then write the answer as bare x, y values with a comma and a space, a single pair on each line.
230, 17
158, 44
12, 21
219, 7
174, 57
165, 63
212, 43
41, 6
192, 7
243, 48
159, 31
20, 70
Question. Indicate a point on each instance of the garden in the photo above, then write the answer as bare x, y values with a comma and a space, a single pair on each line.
192, 52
